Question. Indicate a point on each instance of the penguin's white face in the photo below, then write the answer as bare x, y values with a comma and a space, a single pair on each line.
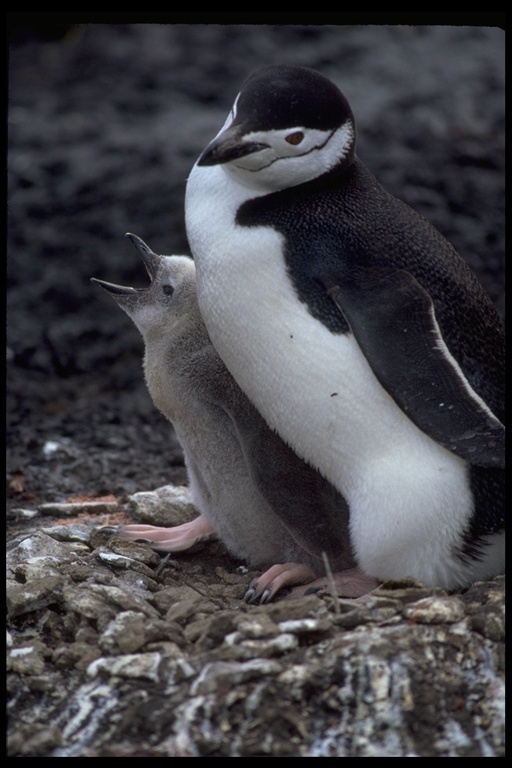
291, 157
274, 159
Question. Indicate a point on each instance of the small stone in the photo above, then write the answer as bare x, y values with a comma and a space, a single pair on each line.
305, 626
26, 660
125, 633
407, 590
166, 506
258, 626
35, 547
32, 596
135, 550
263, 648
291, 609
490, 625
76, 655
226, 674
140, 665
71, 509
144, 584
70, 532
435, 610
22, 514
211, 631
169, 596
187, 609
124, 562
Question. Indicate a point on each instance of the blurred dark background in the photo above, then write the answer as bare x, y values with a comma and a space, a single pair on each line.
105, 122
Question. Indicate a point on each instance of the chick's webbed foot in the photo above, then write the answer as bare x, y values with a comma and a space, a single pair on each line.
180, 538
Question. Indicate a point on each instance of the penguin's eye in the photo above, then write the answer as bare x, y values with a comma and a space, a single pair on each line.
168, 290
294, 138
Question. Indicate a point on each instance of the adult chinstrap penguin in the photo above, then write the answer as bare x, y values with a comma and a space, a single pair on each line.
355, 328
240, 472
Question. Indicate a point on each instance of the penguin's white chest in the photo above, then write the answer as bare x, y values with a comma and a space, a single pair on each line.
313, 386
293, 369
316, 389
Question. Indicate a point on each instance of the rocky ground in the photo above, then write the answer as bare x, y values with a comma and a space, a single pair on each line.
110, 651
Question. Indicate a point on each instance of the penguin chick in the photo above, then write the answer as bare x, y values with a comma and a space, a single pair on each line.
239, 470
355, 329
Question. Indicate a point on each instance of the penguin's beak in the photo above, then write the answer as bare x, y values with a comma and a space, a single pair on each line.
151, 262
229, 145
117, 290
150, 259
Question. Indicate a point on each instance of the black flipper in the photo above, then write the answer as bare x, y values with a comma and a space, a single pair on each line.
393, 320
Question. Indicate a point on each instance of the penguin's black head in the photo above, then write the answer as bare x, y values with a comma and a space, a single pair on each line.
288, 125
282, 96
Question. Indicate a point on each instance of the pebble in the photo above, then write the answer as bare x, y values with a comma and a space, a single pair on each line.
71, 509
166, 506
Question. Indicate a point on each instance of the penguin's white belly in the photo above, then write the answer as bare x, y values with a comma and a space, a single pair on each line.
318, 391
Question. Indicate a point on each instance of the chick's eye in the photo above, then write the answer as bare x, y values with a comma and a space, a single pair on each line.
168, 290
294, 138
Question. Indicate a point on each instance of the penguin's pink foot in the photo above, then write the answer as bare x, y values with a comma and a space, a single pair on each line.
351, 583
180, 538
265, 587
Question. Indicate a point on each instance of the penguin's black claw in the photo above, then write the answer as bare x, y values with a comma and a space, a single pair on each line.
109, 529
314, 591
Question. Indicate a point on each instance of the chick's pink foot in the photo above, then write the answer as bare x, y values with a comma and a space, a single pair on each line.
351, 583
180, 538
